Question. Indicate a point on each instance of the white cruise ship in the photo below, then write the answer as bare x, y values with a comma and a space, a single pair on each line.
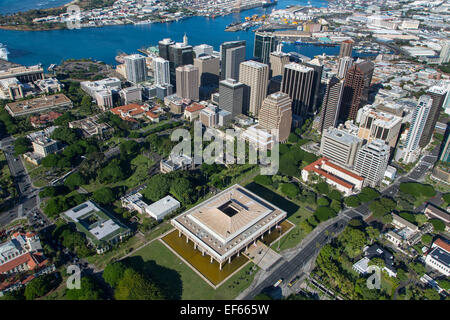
3, 52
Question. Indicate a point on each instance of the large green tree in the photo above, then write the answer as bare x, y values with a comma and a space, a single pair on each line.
134, 286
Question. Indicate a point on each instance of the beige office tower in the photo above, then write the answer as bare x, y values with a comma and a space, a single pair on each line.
187, 82
255, 76
278, 60
340, 146
276, 113
208, 69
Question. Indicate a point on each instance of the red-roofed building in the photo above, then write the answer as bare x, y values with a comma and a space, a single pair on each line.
44, 119
192, 112
133, 111
342, 179
438, 257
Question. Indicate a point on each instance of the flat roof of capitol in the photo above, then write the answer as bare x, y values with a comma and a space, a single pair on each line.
38, 103
229, 218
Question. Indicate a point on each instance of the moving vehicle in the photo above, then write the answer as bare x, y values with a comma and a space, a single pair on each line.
278, 283
293, 281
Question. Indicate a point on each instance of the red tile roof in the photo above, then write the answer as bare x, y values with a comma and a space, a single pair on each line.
442, 244
195, 107
316, 167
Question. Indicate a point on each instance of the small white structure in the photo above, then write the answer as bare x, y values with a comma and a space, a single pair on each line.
162, 208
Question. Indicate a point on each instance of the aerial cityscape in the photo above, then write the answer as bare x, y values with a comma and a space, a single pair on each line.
225, 150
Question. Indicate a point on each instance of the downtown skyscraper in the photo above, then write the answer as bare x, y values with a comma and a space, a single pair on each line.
136, 68
255, 76
188, 82
298, 83
232, 54
356, 89
276, 113
416, 129
331, 103
161, 71
437, 95
265, 44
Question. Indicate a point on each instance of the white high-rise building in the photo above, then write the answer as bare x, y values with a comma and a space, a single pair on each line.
339, 146
136, 68
371, 162
255, 76
203, 49
161, 71
345, 63
445, 52
418, 121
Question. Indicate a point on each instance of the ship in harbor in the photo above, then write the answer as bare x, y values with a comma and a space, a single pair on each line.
3, 52
269, 3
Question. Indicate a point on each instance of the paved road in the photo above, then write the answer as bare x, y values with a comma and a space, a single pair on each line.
288, 269
28, 195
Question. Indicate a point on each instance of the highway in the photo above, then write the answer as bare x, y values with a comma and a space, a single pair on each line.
293, 266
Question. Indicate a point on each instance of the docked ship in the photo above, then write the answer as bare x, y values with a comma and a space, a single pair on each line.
3, 52
269, 3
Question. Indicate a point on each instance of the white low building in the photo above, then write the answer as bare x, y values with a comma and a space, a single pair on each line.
162, 208
438, 257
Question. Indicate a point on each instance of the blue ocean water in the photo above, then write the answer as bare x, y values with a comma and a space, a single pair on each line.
103, 44
13, 6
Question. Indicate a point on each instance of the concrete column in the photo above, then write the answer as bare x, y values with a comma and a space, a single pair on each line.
229, 259
187, 239
220, 266
195, 246
179, 233
270, 230
262, 236
238, 253
203, 253
211, 259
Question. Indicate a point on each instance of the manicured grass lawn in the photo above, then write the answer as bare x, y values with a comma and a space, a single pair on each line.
102, 260
182, 282
296, 213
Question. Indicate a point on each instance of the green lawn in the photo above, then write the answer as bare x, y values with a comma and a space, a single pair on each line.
102, 260
182, 282
296, 213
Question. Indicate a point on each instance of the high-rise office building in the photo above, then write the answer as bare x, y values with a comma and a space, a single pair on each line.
203, 49
445, 150
297, 83
314, 101
136, 68
163, 46
232, 54
375, 124
231, 95
331, 103
346, 48
416, 129
276, 113
187, 82
339, 146
345, 63
255, 76
445, 52
161, 71
437, 94
180, 54
265, 44
371, 162
208, 68
356, 89
278, 60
